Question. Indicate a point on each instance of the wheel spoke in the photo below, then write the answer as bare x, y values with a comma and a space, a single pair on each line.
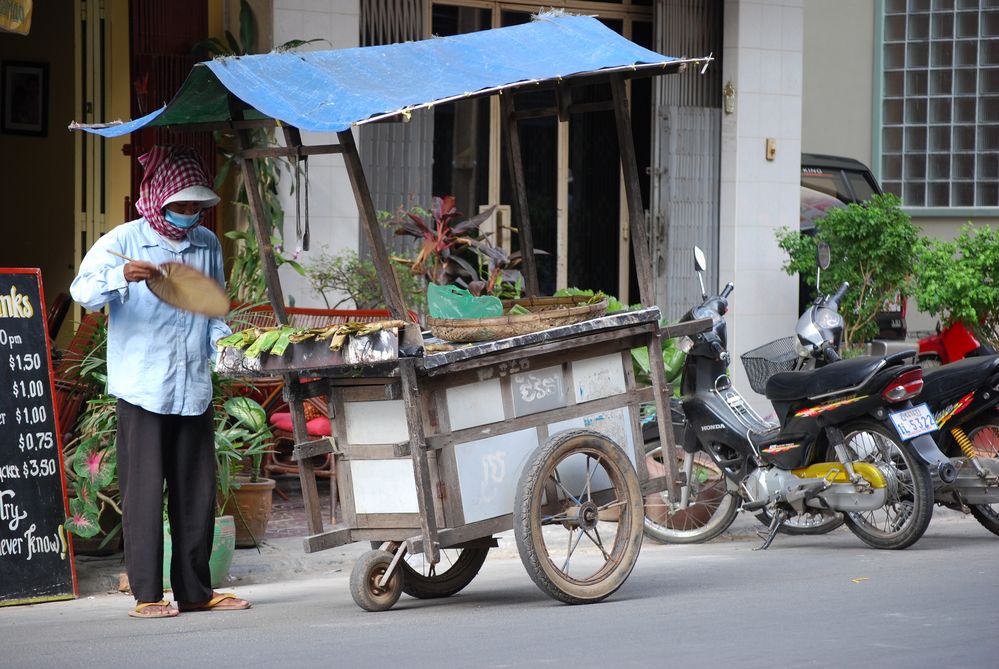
558, 482
589, 476
611, 505
596, 541
571, 549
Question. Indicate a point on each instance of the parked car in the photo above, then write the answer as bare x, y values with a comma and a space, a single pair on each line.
836, 181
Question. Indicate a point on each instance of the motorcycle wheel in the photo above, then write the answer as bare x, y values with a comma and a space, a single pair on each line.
929, 362
984, 436
909, 506
805, 523
713, 502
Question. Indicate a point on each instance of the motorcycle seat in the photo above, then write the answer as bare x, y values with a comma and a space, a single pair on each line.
843, 375
948, 383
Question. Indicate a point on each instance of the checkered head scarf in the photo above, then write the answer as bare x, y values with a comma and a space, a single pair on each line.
167, 170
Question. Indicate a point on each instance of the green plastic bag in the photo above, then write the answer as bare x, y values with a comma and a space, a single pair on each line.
455, 302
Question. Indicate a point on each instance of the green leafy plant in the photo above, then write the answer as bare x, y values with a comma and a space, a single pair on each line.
444, 239
872, 245
90, 458
241, 436
957, 281
345, 273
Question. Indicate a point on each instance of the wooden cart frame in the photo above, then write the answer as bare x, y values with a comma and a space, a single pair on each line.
424, 388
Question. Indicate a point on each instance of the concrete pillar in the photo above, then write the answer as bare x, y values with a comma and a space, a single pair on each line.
762, 59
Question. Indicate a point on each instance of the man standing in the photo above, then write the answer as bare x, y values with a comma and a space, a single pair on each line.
158, 368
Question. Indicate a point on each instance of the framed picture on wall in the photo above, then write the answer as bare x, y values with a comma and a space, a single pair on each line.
25, 107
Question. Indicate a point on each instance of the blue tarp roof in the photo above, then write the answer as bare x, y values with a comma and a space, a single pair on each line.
329, 91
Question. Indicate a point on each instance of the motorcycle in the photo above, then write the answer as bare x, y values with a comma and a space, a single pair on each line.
950, 344
848, 441
963, 397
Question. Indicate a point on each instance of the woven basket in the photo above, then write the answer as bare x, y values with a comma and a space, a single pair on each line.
547, 312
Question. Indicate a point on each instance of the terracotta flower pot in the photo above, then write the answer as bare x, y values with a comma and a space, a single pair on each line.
250, 507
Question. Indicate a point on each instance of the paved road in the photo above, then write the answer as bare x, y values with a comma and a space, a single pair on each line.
808, 601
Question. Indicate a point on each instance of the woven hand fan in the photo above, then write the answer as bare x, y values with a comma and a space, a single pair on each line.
186, 288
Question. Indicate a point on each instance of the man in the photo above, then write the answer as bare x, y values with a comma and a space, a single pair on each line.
158, 368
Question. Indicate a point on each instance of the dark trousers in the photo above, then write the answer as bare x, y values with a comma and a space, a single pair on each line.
179, 450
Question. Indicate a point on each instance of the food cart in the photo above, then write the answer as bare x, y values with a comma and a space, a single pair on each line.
437, 452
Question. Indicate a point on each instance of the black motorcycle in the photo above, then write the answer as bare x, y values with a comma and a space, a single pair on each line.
963, 397
848, 441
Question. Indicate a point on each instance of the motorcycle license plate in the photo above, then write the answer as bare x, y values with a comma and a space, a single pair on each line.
913, 422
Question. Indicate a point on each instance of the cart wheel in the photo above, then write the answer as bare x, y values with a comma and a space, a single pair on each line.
457, 568
578, 517
364, 577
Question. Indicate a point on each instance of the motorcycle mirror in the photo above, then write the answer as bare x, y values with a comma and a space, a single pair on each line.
823, 255
700, 263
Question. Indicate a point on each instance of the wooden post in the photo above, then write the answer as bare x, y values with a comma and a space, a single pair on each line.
418, 451
362, 195
306, 471
521, 214
661, 391
633, 193
264, 246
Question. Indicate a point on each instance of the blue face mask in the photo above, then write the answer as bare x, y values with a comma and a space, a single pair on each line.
182, 221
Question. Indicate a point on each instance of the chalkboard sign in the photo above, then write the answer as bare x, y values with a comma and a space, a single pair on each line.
36, 561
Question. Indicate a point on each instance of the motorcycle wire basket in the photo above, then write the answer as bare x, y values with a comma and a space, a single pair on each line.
764, 361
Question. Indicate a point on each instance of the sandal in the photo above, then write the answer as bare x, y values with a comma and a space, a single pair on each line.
218, 602
142, 610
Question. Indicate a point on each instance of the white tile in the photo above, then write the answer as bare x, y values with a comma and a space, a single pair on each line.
750, 76
792, 28
771, 26
771, 72
790, 64
750, 25
770, 115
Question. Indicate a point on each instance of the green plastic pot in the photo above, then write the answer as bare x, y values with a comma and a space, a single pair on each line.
223, 549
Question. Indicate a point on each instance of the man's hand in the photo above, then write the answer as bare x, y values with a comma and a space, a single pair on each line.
140, 270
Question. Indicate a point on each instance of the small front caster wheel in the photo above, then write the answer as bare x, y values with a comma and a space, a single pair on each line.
364, 579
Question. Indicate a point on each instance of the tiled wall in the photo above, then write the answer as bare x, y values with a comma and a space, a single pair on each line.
332, 212
762, 59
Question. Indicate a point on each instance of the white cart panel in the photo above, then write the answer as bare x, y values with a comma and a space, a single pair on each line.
488, 471
475, 404
598, 377
384, 486
382, 422
615, 424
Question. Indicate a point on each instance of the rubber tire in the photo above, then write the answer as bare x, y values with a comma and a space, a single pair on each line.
922, 507
530, 489
984, 513
447, 583
714, 527
369, 567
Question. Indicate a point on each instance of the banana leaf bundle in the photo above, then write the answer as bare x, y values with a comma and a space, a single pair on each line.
275, 340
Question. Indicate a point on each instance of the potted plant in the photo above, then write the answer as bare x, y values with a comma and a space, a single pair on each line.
242, 438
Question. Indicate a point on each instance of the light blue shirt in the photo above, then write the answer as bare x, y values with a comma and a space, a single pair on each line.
157, 354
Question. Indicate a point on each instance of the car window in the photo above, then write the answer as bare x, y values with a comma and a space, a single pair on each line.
862, 188
828, 182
